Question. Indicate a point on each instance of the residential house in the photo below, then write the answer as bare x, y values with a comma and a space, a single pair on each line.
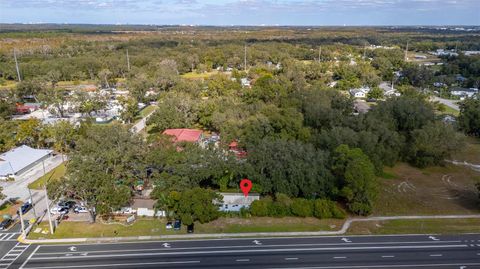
464, 92
233, 202
185, 135
360, 92
245, 82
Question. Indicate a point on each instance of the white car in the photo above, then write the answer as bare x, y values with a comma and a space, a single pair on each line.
59, 210
80, 209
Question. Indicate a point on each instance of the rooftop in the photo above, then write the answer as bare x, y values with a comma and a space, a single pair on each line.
17, 159
187, 135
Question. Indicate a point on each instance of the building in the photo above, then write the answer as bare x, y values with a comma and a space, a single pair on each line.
146, 208
245, 82
21, 159
233, 202
464, 92
360, 92
185, 135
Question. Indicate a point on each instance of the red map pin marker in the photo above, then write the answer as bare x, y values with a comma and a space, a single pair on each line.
246, 186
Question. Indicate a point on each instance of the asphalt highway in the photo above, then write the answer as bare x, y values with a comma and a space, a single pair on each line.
406, 251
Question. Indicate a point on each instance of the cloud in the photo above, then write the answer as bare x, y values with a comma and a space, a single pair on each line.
248, 11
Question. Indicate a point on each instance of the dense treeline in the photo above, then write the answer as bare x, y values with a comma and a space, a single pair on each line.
306, 147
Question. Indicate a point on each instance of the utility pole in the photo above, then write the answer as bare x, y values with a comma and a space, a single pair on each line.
16, 65
48, 209
245, 58
319, 53
406, 51
364, 51
21, 220
128, 62
33, 204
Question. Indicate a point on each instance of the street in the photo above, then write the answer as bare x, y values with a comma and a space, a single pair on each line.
403, 251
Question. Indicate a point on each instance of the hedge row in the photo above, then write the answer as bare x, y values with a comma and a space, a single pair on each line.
283, 206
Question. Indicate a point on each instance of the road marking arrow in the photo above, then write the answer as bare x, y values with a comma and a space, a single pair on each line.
433, 238
256, 242
167, 245
346, 240
84, 254
72, 248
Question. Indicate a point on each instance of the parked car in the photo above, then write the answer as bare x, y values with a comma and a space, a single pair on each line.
59, 210
190, 228
169, 225
67, 204
5, 224
25, 207
177, 225
80, 209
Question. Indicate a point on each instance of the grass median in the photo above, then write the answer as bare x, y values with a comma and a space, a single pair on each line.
424, 226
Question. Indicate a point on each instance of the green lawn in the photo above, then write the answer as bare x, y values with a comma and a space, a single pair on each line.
55, 174
147, 226
195, 75
147, 110
427, 226
450, 111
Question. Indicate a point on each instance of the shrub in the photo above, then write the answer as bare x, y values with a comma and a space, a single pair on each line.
324, 209
302, 207
260, 208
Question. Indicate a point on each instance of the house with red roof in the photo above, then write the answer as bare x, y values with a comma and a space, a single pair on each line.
185, 135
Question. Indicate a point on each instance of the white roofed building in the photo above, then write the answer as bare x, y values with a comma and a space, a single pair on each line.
236, 201
21, 159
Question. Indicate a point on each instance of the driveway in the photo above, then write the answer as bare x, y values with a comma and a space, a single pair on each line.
450, 103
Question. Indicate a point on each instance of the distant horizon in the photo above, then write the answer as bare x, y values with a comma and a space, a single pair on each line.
243, 12
241, 25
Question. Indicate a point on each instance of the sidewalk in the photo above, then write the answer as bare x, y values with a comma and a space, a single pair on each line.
342, 231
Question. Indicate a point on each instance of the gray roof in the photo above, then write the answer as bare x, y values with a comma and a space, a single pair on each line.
17, 159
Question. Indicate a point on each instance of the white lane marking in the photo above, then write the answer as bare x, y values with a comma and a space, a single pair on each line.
29, 257
388, 256
250, 238
291, 259
10, 237
11, 257
249, 251
113, 265
346, 240
340, 257
242, 260
256, 242
2, 236
436, 255
250, 246
385, 266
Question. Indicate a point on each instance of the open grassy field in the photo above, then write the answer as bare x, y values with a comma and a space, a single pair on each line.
427, 226
430, 191
55, 174
195, 75
471, 152
268, 224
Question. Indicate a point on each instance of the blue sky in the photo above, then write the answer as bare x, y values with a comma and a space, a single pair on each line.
243, 12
